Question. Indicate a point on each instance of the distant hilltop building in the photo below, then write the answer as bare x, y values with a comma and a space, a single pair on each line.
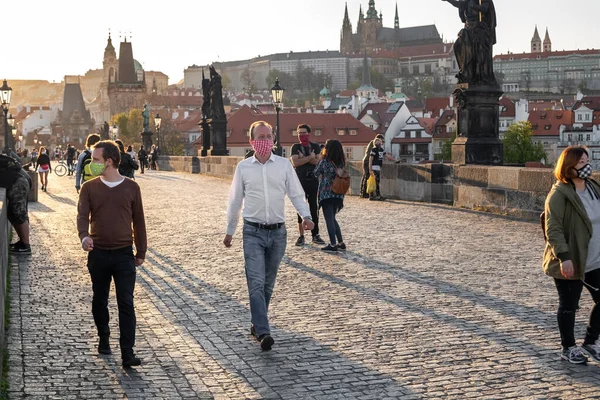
372, 35
545, 70
121, 84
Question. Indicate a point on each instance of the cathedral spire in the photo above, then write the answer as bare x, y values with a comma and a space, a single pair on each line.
547, 41
361, 15
396, 19
372, 12
346, 18
366, 80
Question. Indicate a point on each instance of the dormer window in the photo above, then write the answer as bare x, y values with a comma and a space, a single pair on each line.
547, 127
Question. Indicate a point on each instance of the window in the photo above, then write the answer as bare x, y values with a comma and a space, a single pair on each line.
580, 137
348, 151
596, 155
547, 127
569, 137
587, 117
284, 152
341, 132
415, 70
588, 137
318, 132
579, 117
353, 132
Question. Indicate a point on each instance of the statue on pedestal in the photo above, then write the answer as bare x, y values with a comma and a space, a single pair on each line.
474, 46
146, 116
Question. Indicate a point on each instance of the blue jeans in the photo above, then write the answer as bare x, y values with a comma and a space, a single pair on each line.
263, 251
330, 209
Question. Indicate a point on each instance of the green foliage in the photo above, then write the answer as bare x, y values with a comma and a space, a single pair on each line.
378, 80
519, 147
447, 148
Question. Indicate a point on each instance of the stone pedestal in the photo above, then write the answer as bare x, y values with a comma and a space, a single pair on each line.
205, 138
218, 130
477, 140
147, 140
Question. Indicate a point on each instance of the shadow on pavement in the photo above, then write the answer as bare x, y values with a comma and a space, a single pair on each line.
297, 361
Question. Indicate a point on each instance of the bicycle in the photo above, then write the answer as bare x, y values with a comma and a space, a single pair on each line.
62, 168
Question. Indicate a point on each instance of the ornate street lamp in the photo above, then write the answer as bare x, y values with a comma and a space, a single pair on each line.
157, 123
5, 94
277, 93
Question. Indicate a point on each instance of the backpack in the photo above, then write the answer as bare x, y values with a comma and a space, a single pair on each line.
85, 169
10, 170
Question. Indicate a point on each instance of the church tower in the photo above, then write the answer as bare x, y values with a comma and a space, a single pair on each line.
536, 42
110, 63
547, 42
346, 36
396, 19
372, 25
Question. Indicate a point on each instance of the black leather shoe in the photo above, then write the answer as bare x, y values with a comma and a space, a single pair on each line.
104, 345
131, 361
266, 342
253, 331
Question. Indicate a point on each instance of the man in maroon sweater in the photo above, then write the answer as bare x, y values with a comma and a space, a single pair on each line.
108, 206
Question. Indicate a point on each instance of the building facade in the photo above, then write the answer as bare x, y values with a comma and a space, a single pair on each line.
544, 70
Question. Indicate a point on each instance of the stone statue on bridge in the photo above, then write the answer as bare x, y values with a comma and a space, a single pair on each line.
216, 96
474, 46
146, 116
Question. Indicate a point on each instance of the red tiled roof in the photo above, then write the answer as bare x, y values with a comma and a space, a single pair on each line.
591, 102
346, 93
548, 122
379, 113
329, 124
189, 124
435, 104
441, 132
428, 124
546, 54
509, 109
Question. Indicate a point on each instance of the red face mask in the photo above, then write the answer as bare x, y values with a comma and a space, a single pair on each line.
304, 139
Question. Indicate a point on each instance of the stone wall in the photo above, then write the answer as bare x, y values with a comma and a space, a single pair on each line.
4, 229
516, 191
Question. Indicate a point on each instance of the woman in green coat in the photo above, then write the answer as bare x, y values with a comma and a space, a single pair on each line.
572, 254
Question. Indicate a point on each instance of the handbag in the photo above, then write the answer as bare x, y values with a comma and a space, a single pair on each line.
45, 167
341, 182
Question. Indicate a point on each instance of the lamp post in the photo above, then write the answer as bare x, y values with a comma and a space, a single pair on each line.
5, 93
277, 93
157, 122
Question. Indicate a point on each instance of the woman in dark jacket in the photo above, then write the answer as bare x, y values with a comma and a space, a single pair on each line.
332, 159
43, 167
572, 253
127, 167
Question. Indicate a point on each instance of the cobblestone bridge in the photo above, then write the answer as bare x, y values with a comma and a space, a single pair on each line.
428, 302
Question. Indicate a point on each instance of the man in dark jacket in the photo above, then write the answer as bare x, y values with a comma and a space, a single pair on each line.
143, 157
17, 184
70, 158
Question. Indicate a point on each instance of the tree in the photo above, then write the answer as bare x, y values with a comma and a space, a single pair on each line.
172, 142
500, 77
547, 85
378, 80
287, 81
567, 86
446, 153
225, 81
135, 125
247, 79
519, 147
526, 81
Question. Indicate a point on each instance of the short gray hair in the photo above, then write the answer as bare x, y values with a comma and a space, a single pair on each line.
256, 124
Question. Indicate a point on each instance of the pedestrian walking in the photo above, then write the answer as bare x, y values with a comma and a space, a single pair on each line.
132, 153
108, 208
366, 171
143, 158
152, 158
378, 154
331, 203
572, 252
70, 159
127, 167
82, 172
305, 156
43, 166
261, 183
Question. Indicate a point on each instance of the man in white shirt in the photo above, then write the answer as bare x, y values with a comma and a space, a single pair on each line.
261, 183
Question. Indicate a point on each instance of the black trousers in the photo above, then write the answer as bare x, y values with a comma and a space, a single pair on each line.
363, 182
311, 188
569, 292
143, 165
119, 264
70, 166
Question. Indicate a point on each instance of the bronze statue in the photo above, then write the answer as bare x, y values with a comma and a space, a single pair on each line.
216, 96
146, 115
474, 45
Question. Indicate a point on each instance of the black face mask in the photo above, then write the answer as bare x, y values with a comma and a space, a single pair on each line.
584, 172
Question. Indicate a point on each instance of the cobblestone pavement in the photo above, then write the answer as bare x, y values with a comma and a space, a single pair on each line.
428, 302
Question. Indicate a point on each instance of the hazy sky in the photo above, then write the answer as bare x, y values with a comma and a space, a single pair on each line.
43, 43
